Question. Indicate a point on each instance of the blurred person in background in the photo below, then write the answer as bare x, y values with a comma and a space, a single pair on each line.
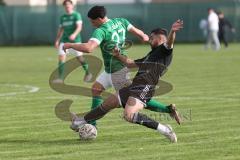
203, 25
224, 24
213, 28
69, 31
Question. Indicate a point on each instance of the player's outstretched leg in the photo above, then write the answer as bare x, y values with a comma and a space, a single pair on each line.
156, 106
97, 100
174, 114
96, 113
165, 130
131, 114
97, 89
76, 122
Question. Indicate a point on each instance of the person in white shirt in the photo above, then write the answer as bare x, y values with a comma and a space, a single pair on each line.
213, 28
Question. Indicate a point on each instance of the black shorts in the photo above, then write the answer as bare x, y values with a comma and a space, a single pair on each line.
141, 92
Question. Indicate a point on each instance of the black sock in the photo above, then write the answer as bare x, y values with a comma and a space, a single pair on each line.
95, 114
144, 120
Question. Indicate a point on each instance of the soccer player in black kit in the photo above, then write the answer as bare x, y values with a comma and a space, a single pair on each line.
133, 98
223, 24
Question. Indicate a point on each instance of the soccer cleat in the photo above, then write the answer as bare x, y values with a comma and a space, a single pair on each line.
58, 81
170, 134
77, 122
88, 77
173, 113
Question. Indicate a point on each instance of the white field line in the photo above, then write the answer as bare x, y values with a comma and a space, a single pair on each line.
117, 122
33, 89
122, 131
28, 88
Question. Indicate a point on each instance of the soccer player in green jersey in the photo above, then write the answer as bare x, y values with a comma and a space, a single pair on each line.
111, 31
69, 31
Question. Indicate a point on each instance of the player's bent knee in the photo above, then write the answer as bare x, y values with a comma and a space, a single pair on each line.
97, 89
62, 58
128, 116
80, 59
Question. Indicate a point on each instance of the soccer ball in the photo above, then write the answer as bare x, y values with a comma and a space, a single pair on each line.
87, 132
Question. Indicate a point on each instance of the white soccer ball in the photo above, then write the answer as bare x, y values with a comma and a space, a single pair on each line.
87, 132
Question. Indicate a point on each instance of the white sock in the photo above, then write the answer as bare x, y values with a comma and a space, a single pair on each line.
79, 121
162, 128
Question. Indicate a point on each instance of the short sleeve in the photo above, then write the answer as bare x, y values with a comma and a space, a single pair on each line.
127, 24
78, 18
165, 49
98, 36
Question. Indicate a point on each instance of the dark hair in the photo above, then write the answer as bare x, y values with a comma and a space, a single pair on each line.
160, 31
65, 1
210, 9
219, 12
97, 12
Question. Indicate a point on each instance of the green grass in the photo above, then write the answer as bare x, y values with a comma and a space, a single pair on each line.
205, 82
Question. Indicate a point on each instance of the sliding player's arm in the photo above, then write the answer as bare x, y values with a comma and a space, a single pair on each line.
124, 59
172, 34
59, 35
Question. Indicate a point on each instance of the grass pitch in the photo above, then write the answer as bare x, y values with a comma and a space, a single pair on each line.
206, 91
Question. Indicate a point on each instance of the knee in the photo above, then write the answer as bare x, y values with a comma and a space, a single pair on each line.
96, 90
80, 59
128, 116
61, 58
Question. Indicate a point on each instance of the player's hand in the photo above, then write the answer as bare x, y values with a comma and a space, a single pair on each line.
56, 44
72, 37
116, 51
233, 30
177, 25
145, 38
66, 46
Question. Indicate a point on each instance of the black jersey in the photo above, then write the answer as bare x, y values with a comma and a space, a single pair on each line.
153, 65
223, 24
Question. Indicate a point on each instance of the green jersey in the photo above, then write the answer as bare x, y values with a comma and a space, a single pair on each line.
108, 35
69, 23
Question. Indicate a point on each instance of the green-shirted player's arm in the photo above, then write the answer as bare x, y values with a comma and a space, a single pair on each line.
124, 59
139, 33
83, 47
59, 35
76, 32
135, 31
78, 29
97, 37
